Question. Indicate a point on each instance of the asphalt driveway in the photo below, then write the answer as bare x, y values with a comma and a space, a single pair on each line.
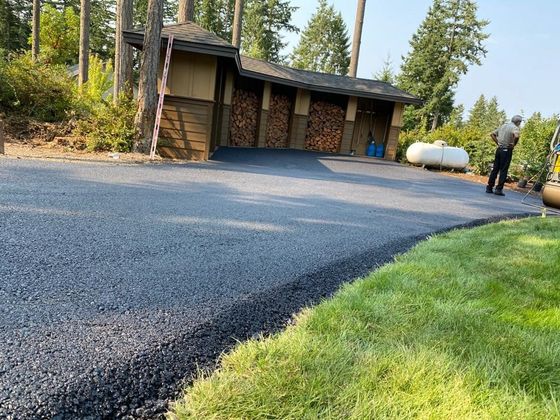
117, 281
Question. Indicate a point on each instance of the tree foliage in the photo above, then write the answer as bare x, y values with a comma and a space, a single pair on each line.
59, 35
386, 74
324, 43
448, 41
14, 25
263, 24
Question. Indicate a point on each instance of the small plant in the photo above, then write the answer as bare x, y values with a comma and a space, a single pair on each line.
109, 127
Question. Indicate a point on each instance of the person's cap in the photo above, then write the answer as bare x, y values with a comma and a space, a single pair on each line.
517, 119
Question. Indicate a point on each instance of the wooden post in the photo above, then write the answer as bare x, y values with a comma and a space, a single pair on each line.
147, 88
35, 30
2, 151
237, 23
356, 41
123, 51
83, 60
186, 11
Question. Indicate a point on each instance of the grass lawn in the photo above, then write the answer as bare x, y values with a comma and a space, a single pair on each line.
465, 325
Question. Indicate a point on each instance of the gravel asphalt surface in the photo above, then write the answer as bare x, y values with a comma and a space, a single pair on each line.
117, 281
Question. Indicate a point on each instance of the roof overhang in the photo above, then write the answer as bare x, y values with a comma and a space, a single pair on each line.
136, 38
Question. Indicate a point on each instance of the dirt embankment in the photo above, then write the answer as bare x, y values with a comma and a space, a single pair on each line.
26, 138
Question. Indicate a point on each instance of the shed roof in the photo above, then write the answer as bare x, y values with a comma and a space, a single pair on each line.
191, 37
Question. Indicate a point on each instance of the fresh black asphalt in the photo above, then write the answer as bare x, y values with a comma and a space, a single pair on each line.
118, 281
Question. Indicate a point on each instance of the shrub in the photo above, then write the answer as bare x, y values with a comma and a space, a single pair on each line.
35, 89
109, 127
534, 145
100, 80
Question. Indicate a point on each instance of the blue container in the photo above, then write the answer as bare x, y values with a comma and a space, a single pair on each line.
379, 152
370, 151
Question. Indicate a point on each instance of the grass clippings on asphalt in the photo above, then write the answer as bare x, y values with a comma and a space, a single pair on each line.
465, 325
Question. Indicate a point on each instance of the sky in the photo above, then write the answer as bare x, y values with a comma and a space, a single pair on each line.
522, 67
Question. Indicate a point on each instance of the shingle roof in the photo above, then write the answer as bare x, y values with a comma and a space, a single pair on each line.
326, 82
191, 37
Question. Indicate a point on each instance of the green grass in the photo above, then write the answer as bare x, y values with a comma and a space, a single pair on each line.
465, 325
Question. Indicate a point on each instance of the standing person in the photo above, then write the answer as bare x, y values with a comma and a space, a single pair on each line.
506, 138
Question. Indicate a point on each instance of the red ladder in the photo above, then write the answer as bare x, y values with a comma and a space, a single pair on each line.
161, 96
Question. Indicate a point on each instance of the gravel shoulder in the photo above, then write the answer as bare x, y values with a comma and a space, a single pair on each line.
117, 281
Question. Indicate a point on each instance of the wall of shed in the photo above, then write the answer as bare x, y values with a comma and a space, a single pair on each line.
186, 123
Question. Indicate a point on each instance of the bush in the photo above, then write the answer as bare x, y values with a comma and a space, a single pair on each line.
109, 127
93, 92
534, 146
35, 89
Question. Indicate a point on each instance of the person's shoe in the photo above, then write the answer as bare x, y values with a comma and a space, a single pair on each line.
489, 190
499, 192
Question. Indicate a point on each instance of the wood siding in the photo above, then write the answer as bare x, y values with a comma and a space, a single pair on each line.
298, 131
186, 126
190, 75
261, 136
346, 144
392, 142
226, 114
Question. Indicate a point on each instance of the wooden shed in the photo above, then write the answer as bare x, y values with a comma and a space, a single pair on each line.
217, 97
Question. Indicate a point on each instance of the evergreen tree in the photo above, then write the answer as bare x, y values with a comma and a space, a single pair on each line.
14, 26
494, 117
263, 23
448, 41
456, 117
386, 74
477, 114
324, 43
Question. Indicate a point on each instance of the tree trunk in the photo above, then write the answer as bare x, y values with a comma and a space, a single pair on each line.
147, 88
237, 23
357, 40
123, 51
435, 121
36, 28
83, 60
186, 11
1, 137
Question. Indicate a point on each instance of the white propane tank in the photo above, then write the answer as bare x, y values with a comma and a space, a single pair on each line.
437, 154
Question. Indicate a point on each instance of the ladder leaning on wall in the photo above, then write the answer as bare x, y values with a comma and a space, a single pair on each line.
155, 133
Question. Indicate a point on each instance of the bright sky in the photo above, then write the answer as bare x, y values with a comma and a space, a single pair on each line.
523, 60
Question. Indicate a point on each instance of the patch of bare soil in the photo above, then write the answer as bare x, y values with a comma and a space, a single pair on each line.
31, 139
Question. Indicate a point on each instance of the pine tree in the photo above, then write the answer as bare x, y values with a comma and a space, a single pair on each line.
456, 117
386, 74
448, 41
263, 23
147, 87
494, 117
324, 43
477, 114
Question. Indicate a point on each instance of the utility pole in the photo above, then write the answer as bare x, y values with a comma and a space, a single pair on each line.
83, 60
186, 11
357, 40
237, 23
35, 30
123, 51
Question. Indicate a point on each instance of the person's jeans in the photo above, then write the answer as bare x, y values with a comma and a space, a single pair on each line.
502, 161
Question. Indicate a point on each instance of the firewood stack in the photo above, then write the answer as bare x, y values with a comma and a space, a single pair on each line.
244, 118
324, 127
278, 123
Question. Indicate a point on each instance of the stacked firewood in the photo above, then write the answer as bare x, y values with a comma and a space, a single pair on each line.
278, 124
244, 118
324, 128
